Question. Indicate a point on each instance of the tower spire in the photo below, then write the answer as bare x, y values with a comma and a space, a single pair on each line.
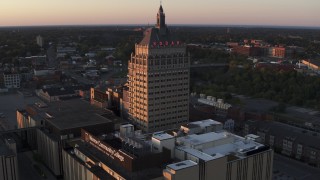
161, 18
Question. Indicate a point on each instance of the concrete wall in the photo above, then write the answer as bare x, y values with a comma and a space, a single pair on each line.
49, 149
9, 167
256, 167
216, 168
73, 170
191, 173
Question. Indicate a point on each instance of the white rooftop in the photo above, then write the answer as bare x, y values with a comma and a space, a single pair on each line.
223, 143
161, 136
127, 125
252, 136
182, 165
206, 123
197, 139
199, 154
235, 148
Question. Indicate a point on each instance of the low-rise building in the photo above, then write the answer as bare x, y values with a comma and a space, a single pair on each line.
114, 98
288, 140
52, 94
58, 122
199, 151
126, 157
312, 64
182, 170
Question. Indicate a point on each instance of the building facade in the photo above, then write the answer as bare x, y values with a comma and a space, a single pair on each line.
218, 154
11, 80
8, 160
291, 141
198, 151
159, 80
126, 156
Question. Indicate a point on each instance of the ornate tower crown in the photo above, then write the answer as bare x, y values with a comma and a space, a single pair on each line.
161, 19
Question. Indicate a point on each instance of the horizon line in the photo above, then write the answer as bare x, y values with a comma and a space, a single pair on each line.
150, 25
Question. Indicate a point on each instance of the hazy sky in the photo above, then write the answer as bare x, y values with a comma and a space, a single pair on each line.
215, 12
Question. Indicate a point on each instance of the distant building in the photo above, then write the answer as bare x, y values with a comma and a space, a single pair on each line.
90, 54
279, 52
294, 51
11, 80
312, 64
242, 50
46, 76
37, 62
52, 94
115, 99
232, 44
40, 41
61, 50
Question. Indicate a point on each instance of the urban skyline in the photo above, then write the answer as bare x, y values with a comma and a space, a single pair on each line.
248, 12
159, 90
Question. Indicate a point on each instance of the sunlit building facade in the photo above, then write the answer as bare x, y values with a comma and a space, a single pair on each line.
159, 80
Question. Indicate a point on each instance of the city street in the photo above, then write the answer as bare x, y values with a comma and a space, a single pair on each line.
51, 56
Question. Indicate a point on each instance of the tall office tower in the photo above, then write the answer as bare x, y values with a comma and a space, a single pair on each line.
159, 80
40, 41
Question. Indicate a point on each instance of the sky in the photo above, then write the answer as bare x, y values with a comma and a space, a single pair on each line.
204, 12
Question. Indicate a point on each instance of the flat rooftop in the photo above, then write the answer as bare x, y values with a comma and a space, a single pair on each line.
203, 123
97, 156
161, 136
199, 154
73, 113
198, 139
234, 148
182, 165
214, 145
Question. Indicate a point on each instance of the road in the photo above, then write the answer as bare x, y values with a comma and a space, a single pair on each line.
209, 65
287, 168
51, 56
